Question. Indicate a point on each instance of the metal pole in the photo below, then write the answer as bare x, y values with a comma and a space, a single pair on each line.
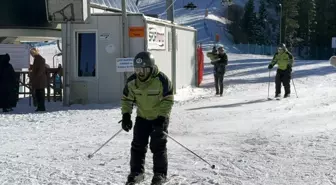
91, 155
125, 34
280, 41
170, 17
170, 10
269, 83
66, 66
212, 165
295, 88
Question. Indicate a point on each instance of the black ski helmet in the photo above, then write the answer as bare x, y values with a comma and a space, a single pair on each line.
214, 50
143, 59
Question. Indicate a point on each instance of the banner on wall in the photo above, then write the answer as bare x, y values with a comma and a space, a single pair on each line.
156, 37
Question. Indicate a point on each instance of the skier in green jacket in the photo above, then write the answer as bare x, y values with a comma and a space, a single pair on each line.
285, 62
152, 92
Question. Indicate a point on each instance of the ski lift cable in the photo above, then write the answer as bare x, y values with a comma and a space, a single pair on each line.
168, 7
210, 3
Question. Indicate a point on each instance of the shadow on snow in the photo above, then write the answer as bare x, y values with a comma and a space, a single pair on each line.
230, 105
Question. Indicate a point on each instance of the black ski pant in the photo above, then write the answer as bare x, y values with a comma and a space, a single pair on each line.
142, 130
40, 99
219, 78
284, 77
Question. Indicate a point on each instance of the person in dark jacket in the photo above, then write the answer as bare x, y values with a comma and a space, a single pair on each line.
38, 79
8, 88
220, 61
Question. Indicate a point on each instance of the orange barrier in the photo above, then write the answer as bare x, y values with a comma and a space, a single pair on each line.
217, 37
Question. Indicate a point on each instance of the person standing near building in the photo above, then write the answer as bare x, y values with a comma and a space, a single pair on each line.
152, 93
8, 84
220, 60
38, 79
285, 62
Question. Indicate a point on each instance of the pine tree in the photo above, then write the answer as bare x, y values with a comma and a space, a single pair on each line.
307, 21
262, 28
248, 23
321, 34
289, 22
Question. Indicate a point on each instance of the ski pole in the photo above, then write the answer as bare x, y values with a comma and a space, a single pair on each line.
212, 166
91, 155
269, 83
295, 88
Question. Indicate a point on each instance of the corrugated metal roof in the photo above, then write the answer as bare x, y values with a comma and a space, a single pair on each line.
116, 4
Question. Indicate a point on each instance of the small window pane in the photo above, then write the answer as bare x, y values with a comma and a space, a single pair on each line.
86, 54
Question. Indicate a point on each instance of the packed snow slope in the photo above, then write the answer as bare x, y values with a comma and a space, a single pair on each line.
250, 140
207, 27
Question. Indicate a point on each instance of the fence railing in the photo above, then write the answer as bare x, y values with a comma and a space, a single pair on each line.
303, 53
255, 49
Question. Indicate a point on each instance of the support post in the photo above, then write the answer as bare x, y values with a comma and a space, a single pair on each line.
125, 35
66, 66
170, 17
280, 23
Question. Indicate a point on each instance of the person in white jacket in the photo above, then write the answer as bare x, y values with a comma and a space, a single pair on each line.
333, 61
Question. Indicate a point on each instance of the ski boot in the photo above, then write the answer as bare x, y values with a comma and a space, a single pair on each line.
277, 95
159, 179
135, 178
287, 95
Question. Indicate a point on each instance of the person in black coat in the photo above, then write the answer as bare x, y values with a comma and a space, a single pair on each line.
220, 60
8, 94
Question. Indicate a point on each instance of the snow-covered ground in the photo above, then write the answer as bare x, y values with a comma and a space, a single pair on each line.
249, 139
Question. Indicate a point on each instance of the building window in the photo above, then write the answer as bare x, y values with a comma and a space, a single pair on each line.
86, 54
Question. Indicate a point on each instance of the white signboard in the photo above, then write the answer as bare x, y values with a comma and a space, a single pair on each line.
125, 65
18, 53
333, 42
156, 37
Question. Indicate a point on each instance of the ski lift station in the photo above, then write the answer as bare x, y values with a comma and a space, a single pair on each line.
100, 41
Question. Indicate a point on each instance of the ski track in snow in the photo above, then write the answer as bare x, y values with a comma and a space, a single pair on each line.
249, 139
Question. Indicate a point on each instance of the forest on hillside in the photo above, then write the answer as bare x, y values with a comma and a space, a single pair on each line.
306, 25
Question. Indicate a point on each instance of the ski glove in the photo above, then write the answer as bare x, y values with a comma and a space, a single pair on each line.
270, 66
160, 124
126, 123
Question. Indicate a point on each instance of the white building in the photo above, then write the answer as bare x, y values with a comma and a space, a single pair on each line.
95, 47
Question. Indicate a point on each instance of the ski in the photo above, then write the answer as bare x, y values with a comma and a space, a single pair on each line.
167, 182
273, 99
135, 180
279, 98
170, 179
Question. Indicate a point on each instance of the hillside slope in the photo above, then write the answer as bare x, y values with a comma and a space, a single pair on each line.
207, 27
